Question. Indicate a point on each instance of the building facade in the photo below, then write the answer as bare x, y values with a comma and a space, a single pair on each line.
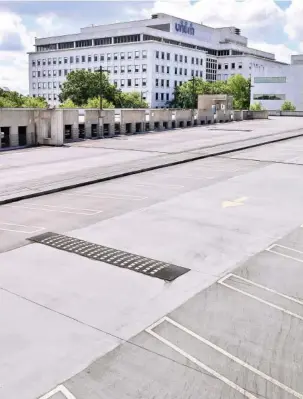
279, 84
150, 56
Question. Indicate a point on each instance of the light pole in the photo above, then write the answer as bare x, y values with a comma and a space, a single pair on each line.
101, 70
194, 93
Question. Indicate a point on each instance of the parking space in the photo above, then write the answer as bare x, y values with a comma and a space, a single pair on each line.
84, 206
240, 338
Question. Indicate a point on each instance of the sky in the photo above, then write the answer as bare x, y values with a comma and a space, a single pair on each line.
269, 25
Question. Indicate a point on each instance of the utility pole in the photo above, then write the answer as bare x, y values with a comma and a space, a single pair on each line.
194, 93
101, 70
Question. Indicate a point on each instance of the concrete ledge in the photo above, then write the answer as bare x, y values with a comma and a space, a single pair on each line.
158, 163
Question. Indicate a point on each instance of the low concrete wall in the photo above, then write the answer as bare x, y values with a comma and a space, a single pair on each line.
205, 117
13, 119
255, 114
160, 119
238, 115
132, 121
184, 117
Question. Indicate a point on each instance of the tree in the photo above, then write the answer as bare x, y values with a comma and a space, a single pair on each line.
257, 107
81, 85
95, 103
130, 100
288, 106
34, 102
239, 88
68, 104
13, 99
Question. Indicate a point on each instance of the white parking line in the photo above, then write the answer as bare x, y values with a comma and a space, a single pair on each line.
12, 227
197, 362
59, 389
62, 209
234, 358
110, 196
178, 176
272, 305
271, 249
263, 287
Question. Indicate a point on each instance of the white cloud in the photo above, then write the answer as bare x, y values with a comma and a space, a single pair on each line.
294, 16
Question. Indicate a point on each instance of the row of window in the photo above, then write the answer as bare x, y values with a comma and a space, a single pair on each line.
162, 96
46, 85
115, 69
49, 97
233, 65
179, 58
90, 58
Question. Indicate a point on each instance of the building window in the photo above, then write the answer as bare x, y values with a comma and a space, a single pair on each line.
38, 74
34, 74
185, 59
157, 54
49, 85
162, 96
176, 71
101, 57
77, 59
38, 62
49, 73
167, 69
33, 63
225, 66
157, 82
89, 58
176, 57
137, 54
54, 85
65, 45
162, 68
59, 72
129, 82
95, 57
197, 61
162, 82
197, 73
44, 85
144, 68
167, 83
136, 82
192, 60
181, 58
233, 65
129, 68
163, 55
185, 72
65, 72
115, 69
122, 82
43, 62
65, 60
240, 65
39, 85
103, 41
167, 96
122, 56
34, 85
109, 57
54, 61
168, 56
55, 97
176, 83
219, 66
137, 68
157, 68
129, 55
84, 43
49, 97
201, 74
44, 73
115, 56
144, 82
122, 69
144, 53
115, 83
157, 96
180, 71
49, 61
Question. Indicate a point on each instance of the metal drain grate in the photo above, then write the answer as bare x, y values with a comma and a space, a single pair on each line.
115, 257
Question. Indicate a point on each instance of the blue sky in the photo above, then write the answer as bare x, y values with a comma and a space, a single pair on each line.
269, 25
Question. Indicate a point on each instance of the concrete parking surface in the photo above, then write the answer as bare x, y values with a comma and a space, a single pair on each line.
72, 327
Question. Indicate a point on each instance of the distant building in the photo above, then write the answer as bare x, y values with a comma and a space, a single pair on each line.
277, 84
150, 56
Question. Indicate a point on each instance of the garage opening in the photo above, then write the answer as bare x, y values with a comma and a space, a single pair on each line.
202, 122
106, 130
195, 122
188, 123
173, 125
94, 130
117, 129
81, 131
138, 127
181, 124
147, 126
22, 136
68, 132
209, 121
128, 128
5, 139
165, 125
157, 125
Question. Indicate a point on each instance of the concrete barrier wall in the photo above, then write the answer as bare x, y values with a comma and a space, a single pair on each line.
160, 119
255, 114
132, 121
13, 120
205, 117
184, 117
238, 115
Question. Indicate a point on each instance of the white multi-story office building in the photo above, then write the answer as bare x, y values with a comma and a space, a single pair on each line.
151, 56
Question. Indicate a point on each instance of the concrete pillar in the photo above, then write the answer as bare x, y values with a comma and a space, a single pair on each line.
75, 131
88, 130
111, 130
57, 127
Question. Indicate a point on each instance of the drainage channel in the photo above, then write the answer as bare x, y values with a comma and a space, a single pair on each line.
140, 264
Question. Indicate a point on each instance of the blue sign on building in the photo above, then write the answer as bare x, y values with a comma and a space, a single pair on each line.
185, 27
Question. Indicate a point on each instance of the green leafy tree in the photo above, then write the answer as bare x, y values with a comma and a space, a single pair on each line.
288, 106
130, 100
81, 85
13, 99
68, 104
239, 88
95, 103
34, 102
257, 107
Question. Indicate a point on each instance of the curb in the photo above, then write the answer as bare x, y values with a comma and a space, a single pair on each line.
142, 170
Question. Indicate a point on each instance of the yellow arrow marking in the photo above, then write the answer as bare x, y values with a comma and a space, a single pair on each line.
236, 202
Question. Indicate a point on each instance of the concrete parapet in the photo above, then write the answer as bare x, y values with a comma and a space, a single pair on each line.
184, 117
205, 117
238, 115
160, 119
255, 114
132, 121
